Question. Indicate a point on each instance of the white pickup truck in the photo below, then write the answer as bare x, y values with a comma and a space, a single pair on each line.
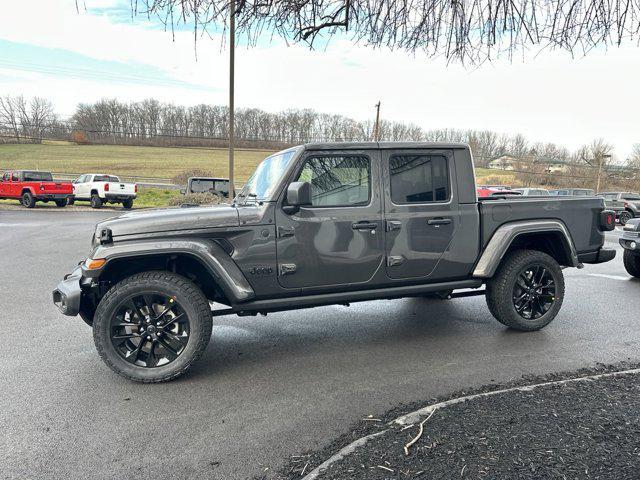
100, 189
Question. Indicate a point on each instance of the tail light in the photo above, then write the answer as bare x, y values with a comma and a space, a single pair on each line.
106, 187
135, 188
607, 220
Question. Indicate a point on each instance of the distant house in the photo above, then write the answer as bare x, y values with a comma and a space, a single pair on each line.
504, 162
507, 162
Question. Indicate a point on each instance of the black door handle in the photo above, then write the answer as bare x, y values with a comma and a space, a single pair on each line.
364, 226
439, 221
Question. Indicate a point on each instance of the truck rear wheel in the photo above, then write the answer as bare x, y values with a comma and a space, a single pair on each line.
127, 204
526, 291
28, 200
152, 326
631, 263
61, 203
96, 201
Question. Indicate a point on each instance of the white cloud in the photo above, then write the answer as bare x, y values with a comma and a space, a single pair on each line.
550, 98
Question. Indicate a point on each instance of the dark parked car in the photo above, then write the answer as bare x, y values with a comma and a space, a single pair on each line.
626, 205
572, 192
326, 224
216, 186
630, 241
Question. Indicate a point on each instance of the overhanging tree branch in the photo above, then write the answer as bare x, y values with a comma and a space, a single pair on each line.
466, 30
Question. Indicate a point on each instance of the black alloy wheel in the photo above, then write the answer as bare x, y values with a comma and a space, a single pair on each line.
624, 217
534, 292
150, 330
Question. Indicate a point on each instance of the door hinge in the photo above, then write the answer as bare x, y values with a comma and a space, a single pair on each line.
394, 261
287, 269
286, 232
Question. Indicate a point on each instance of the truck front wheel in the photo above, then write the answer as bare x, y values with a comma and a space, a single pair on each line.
526, 291
151, 327
631, 261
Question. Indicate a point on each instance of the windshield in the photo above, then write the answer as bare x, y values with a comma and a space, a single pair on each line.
266, 176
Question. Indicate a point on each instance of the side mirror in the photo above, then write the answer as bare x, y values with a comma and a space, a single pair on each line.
298, 195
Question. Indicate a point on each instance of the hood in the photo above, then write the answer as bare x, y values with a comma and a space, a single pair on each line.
170, 220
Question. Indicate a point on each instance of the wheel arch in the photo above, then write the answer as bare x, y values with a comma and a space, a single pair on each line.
549, 236
204, 262
27, 189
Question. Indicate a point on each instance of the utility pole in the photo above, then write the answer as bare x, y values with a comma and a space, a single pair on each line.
232, 52
376, 128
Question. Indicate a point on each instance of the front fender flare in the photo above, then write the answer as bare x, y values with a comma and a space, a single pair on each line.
221, 266
507, 233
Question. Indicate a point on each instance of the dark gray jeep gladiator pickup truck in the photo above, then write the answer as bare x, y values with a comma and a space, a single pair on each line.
326, 224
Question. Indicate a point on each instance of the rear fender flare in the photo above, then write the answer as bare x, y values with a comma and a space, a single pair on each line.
218, 262
505, 235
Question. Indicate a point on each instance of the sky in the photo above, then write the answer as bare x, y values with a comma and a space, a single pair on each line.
49, 48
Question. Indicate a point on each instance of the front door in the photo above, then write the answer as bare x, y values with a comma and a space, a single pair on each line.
338, 240
421, 211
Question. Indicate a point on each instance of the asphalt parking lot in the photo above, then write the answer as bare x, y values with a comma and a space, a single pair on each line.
268, 387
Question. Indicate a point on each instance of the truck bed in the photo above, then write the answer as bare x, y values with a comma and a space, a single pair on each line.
579, 214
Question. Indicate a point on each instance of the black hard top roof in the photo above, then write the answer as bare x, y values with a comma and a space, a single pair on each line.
381, 145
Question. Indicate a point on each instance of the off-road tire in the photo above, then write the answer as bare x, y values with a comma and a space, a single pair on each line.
28, 200
624, 217
61, 203
500, 289
186, 293
96, 201
127, 204
631, 263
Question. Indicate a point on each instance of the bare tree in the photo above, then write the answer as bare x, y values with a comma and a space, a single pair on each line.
467, 30
9, 117
598, 155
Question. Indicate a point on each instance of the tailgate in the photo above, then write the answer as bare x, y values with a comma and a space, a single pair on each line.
56, 187
122, 188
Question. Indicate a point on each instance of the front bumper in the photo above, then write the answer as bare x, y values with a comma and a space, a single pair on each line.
68, 293
630, 241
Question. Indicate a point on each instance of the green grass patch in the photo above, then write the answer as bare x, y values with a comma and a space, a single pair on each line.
158, 162
155, 197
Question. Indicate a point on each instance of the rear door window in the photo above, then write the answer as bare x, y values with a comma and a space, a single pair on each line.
419, 179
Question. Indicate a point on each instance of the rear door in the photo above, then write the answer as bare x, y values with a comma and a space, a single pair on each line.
421, 210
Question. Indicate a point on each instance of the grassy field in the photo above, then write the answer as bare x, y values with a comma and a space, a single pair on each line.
160, 162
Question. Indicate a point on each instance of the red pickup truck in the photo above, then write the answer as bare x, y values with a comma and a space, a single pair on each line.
30, 187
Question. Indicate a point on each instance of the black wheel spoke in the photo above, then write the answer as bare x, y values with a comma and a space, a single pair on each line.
534, 292
135, 309
176, 338
177, 319
150, 356
172, 353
